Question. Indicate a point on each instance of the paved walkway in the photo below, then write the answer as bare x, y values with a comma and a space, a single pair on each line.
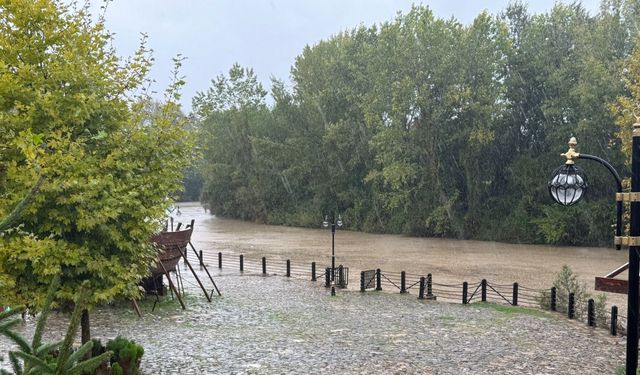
274, 325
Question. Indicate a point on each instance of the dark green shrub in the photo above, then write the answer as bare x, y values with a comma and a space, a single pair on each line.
126, 355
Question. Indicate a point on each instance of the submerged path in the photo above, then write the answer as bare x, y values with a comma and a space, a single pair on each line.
274, 325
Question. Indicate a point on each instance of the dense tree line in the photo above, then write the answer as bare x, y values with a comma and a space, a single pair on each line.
429, 127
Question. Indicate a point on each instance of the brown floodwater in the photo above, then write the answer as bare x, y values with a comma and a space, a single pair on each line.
449, 261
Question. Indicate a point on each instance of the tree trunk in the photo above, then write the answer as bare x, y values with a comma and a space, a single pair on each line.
85, 327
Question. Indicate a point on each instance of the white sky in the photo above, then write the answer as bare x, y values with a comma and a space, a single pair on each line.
265, 35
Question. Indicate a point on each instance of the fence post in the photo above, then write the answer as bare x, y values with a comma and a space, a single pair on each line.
515, 294
614, 320
591, 313
378, 279
313, 271
465, 288
554, 299
571, 310
403, 282
430, 287
288, 268
327, 277
421, 292
264, 265
362, 281
219, 259
341, 280
201, 259
484, 290
241, 263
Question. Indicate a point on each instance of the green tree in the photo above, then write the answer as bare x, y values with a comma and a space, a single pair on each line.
73, 114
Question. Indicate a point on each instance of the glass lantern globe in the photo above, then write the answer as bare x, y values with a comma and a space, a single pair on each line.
325, 223
339, 222
567, 185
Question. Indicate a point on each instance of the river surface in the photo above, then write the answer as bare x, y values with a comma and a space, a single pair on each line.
450, 261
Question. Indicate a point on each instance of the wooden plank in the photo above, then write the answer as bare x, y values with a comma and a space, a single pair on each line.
606, 284
618, 271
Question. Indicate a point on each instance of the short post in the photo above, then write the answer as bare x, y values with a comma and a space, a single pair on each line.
241, 263
219, 259
341, 281
591, 313
378, 279
571, 310
201, 259
515, 294
554, 300
484, 290
422, 285
465, 289
313, 271
430, 287
614, 320
264, 265
403, 282
362, 281
327, 277
288, 268
333, 291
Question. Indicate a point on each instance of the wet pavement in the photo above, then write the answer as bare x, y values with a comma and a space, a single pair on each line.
276, 325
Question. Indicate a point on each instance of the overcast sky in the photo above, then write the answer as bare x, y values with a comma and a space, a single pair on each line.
265, 35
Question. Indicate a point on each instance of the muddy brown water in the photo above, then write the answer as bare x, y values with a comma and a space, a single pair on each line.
449, 261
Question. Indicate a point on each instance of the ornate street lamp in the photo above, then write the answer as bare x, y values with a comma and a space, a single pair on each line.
567, 185
325, 224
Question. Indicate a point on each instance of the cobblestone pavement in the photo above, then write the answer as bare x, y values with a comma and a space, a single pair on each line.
275, 325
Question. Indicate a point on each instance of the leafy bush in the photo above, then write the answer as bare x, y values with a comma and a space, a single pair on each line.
126, 356
566, 282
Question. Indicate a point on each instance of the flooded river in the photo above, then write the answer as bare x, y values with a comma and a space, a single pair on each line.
450, 261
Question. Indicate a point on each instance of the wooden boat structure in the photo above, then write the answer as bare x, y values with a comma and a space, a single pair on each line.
172, 247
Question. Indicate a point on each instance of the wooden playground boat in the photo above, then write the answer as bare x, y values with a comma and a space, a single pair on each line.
172, 246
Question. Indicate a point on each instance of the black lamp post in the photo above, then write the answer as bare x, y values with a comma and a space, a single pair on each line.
325, 224
569, 183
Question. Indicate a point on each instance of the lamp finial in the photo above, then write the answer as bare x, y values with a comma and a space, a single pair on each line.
571, 154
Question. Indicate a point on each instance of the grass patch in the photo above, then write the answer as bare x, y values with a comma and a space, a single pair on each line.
511, 310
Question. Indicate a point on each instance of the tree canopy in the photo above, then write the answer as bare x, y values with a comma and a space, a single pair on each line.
426, 126
77, 123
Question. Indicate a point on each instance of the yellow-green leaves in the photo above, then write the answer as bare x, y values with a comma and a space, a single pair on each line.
73, 111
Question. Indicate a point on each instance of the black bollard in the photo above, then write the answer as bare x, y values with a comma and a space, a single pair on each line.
219, 259
241, 263
333, 291
362, 281
378, 279
614, 320
465, 288
430, 287
422, 286
327, 277
403, 282
484, 290
554, 300
264, 265
591, 313
313, 271
288, 268
515, 294
571, 310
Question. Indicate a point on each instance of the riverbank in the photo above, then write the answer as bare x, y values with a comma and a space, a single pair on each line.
450, 261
